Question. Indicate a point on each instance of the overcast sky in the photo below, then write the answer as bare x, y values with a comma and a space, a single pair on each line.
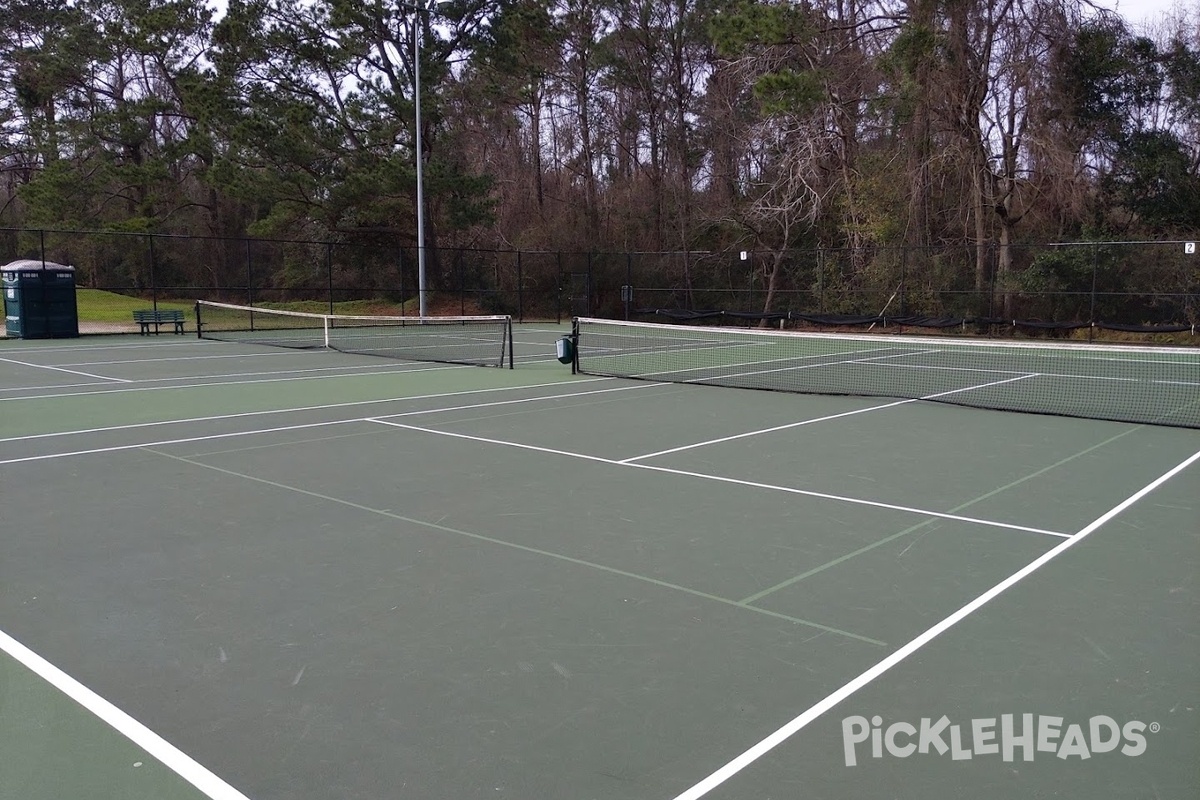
1142, 11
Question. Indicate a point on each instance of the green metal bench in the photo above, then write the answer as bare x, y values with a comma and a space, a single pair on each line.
147, 317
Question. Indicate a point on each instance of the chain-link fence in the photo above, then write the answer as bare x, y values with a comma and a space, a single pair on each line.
1123, 285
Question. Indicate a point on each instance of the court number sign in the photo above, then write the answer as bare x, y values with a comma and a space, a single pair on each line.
1189, 248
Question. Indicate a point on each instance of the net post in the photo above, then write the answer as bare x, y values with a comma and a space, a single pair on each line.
199, 325
575, 346
325, 323
509, 326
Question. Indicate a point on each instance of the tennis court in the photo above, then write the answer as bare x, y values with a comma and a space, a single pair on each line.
233, 570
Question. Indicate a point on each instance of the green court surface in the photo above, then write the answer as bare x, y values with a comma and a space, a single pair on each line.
229, 571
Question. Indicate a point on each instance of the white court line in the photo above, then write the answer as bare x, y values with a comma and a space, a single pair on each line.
761, 431
518, 445
771, 487
187, 358
60, 369
1112, 378
519, 400
768, 361
185, 440
816, 420
803, 720
526, 549
1071, 375
283, 428
695, 345
135, 388
324, 407
193, 342
170, 756
104, 382
867, 360
399, 368
852, 500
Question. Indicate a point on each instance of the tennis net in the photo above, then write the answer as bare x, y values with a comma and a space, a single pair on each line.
1154, 385
484, 341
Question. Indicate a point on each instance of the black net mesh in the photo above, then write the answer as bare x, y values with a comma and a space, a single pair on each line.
1155, 385
484, 341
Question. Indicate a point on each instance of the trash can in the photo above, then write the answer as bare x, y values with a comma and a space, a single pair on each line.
39, 300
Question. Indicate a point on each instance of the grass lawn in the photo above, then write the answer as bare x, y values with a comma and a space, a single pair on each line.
97, 305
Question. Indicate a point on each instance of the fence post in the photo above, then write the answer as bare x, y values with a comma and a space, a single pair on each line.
520, 291
992, 282
903, 280
249, 276
558, 294
400, 269
628, 282
750, 284
153, 277
820, 280
329, 271
587, 287
1092, 307
462, 283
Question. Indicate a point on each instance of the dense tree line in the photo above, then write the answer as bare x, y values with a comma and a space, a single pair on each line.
606, 125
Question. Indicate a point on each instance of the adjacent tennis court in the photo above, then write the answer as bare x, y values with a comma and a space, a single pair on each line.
231, 569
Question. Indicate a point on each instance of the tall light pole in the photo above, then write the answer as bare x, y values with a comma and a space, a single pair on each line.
420, 12
421, 292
